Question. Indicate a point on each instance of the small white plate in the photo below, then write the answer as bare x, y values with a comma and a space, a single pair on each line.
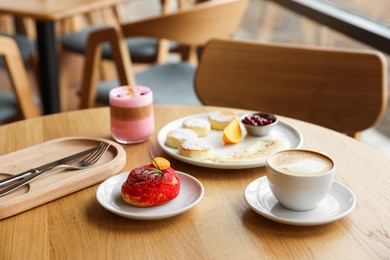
285, 133
338, 203
109, 196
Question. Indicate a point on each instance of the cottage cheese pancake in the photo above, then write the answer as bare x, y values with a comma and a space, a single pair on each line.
219, 120
196, 149
177, 136
198, 125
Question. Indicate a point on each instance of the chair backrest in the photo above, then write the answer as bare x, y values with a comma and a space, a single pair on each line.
344, 90
18, 77
192, 26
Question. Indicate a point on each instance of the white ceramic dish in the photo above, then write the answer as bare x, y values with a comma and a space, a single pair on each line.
109, 196
338, 203
284, 132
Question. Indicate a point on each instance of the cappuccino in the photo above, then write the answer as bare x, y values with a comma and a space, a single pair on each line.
301, 163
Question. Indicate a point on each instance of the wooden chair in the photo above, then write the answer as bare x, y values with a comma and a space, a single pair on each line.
171, 82
76, 29
24, 39
144, 50
344, 90
19, 104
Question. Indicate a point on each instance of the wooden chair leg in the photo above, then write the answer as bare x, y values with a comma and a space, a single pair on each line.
162, 51
193, 55
19, 78
104, 72
6, 24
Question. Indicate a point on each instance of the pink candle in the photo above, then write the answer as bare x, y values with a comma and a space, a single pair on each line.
131, 113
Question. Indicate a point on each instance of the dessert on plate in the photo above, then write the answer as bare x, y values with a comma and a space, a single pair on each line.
196, 149
151, 185
219, 120
199, 125
177, 136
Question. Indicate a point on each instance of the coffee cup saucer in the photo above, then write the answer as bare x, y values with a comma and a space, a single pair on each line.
338, 203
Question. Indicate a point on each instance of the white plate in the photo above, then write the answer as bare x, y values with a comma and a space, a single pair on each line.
338, 203
288, 135
109, 196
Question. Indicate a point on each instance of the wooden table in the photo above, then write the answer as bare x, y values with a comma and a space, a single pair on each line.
46, 13
221, 226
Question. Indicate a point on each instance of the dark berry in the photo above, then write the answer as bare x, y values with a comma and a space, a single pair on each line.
257, 120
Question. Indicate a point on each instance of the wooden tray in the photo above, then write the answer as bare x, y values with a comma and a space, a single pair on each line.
58, 182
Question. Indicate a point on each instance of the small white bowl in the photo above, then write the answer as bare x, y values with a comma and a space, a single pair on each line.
260, 130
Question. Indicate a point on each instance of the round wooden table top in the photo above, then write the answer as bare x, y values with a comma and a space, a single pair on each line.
221, 226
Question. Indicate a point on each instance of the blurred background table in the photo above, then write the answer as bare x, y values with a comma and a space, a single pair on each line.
221, 226
46, 13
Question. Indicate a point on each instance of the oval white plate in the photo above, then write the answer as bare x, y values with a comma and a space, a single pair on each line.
338, 203
109, 196
282, 131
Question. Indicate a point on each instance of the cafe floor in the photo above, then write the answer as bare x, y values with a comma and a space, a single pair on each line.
262, 22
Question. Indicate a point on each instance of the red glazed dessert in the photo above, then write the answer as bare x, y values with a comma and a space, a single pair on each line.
151, 185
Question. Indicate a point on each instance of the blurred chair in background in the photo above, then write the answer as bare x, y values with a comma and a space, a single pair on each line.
25, 39
144, 50
19, 104
344, 90
170, 82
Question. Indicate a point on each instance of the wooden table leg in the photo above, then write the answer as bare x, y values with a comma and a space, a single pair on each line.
48, 67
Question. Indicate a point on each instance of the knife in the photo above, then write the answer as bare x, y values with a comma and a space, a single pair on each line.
22, 175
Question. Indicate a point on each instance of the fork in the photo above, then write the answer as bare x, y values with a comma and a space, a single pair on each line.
87, 161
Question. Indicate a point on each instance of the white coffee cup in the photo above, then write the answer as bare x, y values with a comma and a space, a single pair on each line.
300, 179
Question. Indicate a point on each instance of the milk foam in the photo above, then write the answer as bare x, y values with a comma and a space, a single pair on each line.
302, 163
